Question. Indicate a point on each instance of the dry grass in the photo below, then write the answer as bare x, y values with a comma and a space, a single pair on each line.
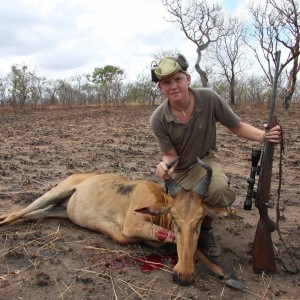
55, 259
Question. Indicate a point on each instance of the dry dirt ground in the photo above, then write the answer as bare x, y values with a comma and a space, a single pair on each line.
55, 259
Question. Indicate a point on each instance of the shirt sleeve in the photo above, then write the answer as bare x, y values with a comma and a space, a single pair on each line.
224, 113
159, 128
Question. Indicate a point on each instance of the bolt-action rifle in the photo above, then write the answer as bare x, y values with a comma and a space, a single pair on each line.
263, 252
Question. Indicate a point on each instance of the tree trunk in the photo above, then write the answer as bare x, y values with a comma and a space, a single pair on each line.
287, 100
202, 73
292, 79
232, 94
232, 90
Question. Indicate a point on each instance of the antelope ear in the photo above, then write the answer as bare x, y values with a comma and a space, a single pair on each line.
154, 210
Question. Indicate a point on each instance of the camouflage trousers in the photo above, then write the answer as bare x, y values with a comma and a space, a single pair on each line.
219, 193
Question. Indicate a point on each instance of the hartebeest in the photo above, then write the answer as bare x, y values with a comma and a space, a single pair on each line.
133, 211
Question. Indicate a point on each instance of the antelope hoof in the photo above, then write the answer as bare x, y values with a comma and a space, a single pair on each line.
232, 282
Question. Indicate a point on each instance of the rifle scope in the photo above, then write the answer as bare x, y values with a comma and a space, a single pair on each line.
255, 156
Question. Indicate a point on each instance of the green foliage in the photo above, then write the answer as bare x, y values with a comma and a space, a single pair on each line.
135, 93
106, 75
20, 77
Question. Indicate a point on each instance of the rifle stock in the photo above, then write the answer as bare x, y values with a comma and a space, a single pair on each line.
263, 252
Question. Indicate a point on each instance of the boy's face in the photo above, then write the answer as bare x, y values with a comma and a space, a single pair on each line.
175, 87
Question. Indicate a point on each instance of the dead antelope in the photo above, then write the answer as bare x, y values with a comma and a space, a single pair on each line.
134, 211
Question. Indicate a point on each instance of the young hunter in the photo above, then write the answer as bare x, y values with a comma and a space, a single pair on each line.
185, 126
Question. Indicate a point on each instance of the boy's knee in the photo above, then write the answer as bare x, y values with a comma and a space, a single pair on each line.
219, 193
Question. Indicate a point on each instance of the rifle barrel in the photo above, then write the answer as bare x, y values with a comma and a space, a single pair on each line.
274, 87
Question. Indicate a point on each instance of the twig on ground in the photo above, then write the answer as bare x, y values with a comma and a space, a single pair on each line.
30, 242
151, 283
61, 295
112, 284
67, 288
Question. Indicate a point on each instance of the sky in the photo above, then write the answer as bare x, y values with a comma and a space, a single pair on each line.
62, 38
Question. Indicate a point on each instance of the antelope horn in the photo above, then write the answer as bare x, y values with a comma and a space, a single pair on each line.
202, 186
172, 186
171, 163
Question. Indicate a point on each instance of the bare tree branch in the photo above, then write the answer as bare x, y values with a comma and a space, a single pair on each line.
276, 23
289, 26
202, 24
229, 55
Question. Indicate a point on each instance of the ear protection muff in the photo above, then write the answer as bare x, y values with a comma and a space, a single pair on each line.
153, 75
183, 63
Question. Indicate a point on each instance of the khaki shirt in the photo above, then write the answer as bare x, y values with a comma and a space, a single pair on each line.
199, 135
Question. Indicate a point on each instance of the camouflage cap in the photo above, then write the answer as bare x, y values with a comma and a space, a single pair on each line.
167, 67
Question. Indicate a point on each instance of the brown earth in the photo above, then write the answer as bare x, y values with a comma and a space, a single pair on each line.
55, 259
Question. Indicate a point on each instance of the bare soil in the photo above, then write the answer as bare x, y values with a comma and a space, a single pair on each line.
55, 259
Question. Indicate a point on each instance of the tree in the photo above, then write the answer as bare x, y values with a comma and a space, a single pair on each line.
228, 55
277, 23
20, 78
289, 24
36, 89
3, 92
51, 92
256, 89
148, 90
81, 88
66, 93
202, 24
89, 91
108, 80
